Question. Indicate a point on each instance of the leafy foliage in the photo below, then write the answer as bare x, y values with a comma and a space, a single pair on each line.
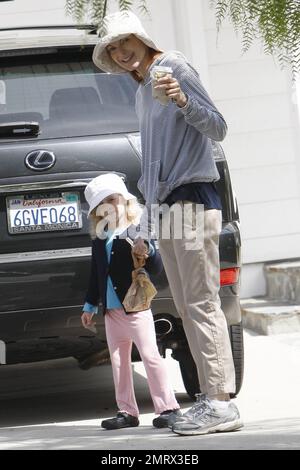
275, 22
96, 10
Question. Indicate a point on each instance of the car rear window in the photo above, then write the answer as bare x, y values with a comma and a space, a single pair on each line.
67, 98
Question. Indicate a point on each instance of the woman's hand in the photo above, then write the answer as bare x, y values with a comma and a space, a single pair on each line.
173, 90
86, 320
140, 249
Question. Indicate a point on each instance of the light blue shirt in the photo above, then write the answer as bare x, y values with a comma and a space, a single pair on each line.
112, 300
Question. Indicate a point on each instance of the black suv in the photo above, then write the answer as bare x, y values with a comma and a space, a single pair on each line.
63, 122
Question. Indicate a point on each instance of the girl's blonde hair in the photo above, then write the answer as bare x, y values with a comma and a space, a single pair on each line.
133, 215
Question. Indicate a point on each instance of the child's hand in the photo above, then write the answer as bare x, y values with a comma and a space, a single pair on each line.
86, 319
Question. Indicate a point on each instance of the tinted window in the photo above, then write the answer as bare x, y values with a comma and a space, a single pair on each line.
69, 98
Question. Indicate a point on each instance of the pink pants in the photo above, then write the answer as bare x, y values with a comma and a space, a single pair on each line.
121, 331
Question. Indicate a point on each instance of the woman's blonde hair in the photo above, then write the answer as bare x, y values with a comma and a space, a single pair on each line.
133, 215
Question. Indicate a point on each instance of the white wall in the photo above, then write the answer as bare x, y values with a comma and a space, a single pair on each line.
261, 147
32, 12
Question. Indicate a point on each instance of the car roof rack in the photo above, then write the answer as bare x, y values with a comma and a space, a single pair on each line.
92, 27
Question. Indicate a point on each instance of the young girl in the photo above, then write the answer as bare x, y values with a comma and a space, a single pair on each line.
112, 210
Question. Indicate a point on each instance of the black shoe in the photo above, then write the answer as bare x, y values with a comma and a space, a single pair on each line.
122, 420
162, 420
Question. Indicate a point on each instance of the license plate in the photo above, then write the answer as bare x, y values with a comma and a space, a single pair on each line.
43, 213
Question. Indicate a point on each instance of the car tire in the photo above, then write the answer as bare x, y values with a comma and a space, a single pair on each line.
189, 370
237, 346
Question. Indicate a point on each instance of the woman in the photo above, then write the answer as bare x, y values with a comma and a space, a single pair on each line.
112, 211
178, 168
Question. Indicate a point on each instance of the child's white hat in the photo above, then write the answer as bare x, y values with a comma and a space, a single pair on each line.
105, 185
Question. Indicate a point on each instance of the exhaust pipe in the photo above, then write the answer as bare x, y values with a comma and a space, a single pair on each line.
163, 327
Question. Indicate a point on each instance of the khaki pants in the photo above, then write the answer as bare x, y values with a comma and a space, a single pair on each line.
194, 279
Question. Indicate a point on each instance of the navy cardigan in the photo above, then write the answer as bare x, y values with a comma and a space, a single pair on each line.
119, 269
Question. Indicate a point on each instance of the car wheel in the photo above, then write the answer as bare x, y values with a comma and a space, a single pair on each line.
189, 370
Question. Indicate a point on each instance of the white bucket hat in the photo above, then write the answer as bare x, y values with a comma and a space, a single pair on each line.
103, 186
118, 26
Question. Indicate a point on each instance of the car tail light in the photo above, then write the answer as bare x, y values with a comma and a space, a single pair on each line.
229, 276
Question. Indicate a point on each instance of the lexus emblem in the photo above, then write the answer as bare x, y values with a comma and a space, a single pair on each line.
40, 160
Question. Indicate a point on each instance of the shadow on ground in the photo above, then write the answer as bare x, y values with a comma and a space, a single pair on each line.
270, 434
58, 391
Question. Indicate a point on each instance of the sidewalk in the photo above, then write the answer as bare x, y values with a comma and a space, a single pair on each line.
271, 387
269, 405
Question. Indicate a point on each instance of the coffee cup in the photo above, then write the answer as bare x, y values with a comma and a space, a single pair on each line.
158, 72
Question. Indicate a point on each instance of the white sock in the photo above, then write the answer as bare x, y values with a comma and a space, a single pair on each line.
220, 404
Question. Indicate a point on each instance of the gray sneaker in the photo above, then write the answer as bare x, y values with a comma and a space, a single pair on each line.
189, 415
209, 419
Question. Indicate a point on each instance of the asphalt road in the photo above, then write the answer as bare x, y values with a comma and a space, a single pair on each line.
55, 405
